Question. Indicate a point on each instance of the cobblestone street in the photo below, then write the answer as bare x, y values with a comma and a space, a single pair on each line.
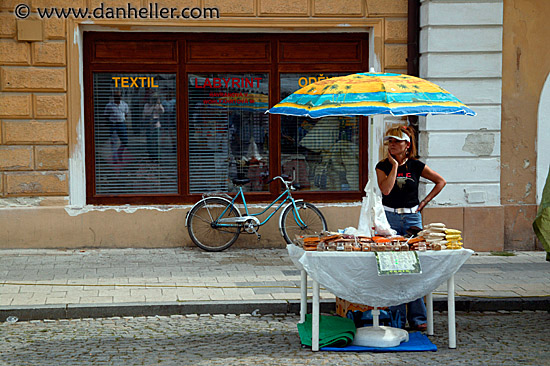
503, 338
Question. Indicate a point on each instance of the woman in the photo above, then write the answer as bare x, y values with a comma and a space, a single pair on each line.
398, 178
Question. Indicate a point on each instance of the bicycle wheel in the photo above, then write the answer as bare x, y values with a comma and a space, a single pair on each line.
310, 215
203, 231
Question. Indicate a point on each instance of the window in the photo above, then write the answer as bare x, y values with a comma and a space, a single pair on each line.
228, 131
170, 116
320, 154
135, 133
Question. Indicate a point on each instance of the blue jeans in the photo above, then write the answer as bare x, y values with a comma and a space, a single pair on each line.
415, 310
401, 222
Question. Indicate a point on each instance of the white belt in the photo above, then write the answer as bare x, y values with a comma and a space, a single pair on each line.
403, 210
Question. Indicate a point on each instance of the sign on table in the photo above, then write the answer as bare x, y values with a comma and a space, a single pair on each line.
396, 263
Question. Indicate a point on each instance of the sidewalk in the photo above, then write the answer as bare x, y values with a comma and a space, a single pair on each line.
49, 284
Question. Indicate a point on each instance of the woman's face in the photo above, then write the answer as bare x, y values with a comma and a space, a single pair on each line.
397, 147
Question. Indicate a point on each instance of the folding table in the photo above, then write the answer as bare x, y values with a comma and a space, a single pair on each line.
353, 276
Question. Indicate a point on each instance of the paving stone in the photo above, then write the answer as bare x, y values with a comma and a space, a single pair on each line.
483, 339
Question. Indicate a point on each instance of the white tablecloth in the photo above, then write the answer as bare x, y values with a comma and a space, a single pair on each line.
353, 276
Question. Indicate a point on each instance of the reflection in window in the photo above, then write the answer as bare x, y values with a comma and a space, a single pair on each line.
135, 133
321, 154
228, 131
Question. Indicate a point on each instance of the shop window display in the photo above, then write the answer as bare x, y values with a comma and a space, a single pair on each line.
228, 131
135, 139
321, 154
193, 116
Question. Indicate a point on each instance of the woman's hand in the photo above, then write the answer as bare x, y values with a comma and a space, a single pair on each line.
392, 160
421, 205
431, 175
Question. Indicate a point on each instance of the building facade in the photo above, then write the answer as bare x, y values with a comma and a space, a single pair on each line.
112, 126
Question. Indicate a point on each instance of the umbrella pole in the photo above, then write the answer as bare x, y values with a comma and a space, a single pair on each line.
376, 134
375, 317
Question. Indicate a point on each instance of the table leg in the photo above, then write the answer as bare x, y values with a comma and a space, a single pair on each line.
315, 318
430, 311
303, 296
375, 317
451, 311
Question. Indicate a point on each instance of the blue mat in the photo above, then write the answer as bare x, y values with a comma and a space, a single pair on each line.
418, 342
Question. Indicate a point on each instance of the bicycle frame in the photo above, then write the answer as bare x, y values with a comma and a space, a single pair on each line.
288, 197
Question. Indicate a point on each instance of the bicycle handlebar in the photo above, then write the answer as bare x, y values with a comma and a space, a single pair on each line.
282, 178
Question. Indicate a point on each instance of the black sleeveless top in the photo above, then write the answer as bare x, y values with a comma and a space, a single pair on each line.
405, 189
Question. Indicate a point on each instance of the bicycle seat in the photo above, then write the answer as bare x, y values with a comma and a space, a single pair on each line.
240, 181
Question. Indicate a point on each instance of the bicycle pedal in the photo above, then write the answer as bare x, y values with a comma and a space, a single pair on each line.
259, 236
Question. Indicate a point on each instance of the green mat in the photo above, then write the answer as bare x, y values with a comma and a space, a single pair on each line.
541, 225
334, 331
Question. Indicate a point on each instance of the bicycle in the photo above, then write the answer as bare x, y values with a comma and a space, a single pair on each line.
215, 222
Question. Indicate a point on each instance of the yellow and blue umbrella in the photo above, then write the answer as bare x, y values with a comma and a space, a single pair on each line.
368, 94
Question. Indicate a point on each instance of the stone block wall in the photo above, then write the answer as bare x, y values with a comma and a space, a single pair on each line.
461, 50
33, 107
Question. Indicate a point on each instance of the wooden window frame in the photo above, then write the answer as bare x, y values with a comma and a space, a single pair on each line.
102, 56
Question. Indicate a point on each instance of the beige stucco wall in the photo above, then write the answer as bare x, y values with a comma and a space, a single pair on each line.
52, 227
525, 66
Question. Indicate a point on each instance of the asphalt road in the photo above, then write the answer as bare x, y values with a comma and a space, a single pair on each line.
491, 338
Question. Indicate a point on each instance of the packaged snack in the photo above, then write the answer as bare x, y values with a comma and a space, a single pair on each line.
434, 225
330, 237
416, 240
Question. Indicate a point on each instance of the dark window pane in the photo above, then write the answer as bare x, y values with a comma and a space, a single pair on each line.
321, 154
228, 131
135, 133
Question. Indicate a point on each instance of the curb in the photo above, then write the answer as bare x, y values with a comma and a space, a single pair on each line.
76, 311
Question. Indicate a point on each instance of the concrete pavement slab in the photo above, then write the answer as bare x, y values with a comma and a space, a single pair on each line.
92, 278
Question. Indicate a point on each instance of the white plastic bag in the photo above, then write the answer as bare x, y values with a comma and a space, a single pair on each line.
372, 213
365, 219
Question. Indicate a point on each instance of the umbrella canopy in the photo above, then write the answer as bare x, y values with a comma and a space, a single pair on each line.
368, 94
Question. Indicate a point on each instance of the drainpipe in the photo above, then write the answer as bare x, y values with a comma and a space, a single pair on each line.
413, 37
413, 48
